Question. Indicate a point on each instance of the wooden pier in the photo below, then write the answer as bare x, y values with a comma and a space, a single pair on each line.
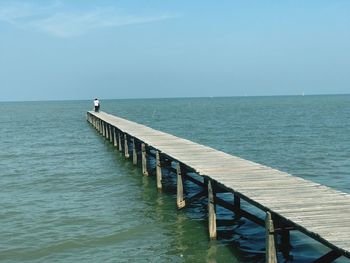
290, 203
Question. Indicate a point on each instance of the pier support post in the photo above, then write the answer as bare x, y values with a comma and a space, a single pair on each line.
110, 133
115, 137
180, 201
285, 243
134, 152
119, 142
211, 213
126, 146
107, 131
103, 129
144, 159
237, 205
237, 202
158, 171
270, 240
100, 126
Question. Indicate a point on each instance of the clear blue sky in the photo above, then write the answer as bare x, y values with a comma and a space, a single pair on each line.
60, 49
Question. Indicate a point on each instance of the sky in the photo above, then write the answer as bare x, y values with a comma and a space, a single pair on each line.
82, 49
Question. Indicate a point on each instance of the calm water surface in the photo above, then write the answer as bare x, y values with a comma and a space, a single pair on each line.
68, 196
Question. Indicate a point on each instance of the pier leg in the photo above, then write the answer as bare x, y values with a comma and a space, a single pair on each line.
126, 147
237, 202
119, 142
110, 133
100, 126
270, 240
103, 129
237, 205
211, 213
285, 243
180, 201
115, 137
107, 131
158, 171
134, 152
144, 159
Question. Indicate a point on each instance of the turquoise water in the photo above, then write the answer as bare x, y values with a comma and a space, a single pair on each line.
67, 195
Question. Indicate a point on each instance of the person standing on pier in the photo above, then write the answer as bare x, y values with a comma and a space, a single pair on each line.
97, 105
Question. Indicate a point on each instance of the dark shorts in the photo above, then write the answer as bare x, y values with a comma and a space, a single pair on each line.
97, 108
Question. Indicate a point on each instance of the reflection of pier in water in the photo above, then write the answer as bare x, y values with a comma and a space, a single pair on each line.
282, 202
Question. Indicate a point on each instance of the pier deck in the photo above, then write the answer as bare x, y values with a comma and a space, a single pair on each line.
318, 211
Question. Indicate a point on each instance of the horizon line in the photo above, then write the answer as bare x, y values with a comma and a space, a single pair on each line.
179, 97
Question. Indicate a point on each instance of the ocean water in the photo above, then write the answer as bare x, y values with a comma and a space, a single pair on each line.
67, 195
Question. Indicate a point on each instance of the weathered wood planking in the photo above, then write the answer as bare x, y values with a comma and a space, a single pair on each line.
318, 211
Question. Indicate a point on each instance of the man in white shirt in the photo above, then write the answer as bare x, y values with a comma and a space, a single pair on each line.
97, 105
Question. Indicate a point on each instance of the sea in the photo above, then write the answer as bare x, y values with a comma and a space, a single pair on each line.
68, 195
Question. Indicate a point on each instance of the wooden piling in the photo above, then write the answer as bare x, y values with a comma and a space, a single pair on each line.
107, 131
211, 213
285, 243
180, 200
115, 137
270, 240
237, 205
104, 129
126, 147
144, 159
119, 142
110, 133
134, 152
158, 171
